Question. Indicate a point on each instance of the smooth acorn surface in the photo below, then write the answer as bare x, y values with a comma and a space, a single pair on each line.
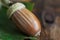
27, 22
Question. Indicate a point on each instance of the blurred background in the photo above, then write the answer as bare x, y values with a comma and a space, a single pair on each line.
48, 12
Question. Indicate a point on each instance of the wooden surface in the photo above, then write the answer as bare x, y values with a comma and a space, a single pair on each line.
48, 30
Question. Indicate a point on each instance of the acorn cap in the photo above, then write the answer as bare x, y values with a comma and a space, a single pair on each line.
13, 8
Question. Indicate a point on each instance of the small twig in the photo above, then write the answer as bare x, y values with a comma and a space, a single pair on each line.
5, 5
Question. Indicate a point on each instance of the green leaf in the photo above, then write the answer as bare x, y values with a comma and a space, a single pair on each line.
8, 30
29, 5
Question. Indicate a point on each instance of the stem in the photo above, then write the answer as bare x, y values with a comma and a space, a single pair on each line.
5, 5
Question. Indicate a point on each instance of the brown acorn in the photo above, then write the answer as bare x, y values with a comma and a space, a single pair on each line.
25, 20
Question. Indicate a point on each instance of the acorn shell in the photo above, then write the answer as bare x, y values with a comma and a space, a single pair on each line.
26, 21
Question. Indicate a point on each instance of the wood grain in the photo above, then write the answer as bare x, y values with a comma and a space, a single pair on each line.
46, 30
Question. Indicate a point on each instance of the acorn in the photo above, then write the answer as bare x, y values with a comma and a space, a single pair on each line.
25, 20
